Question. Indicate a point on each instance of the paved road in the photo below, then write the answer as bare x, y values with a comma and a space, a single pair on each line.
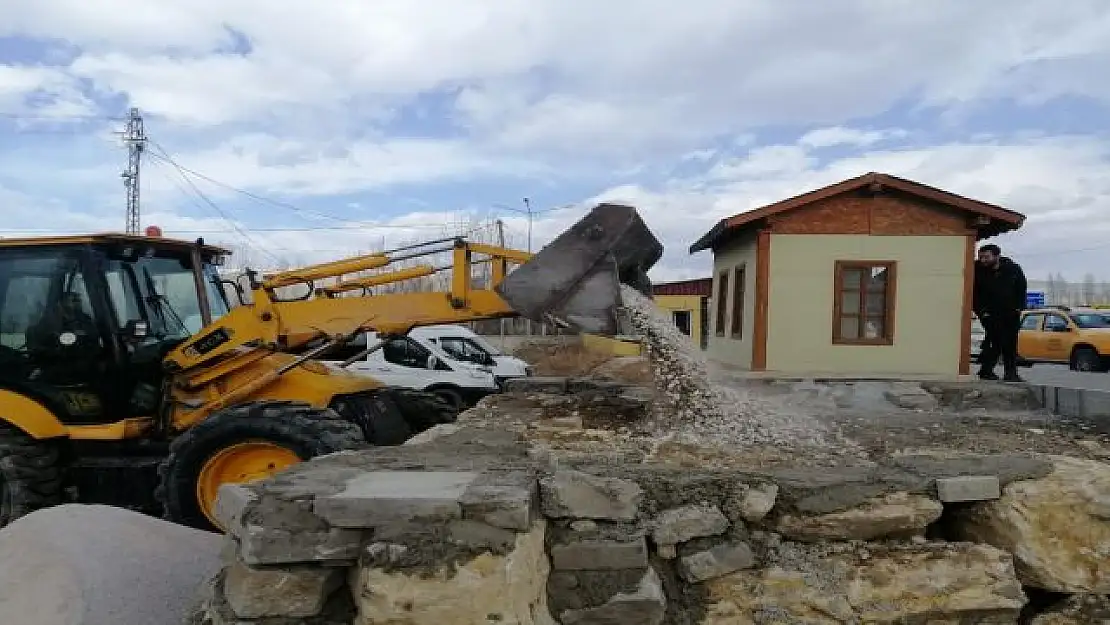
1059, 375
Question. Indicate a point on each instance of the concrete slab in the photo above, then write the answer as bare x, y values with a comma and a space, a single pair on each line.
968, 488
383, 498
1073, 402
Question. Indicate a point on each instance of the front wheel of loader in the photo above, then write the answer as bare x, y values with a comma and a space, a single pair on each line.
30, 477
244, 444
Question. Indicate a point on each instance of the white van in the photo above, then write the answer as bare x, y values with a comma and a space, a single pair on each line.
410, 363
463, 344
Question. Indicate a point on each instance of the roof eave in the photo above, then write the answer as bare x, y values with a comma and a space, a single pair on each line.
708, 239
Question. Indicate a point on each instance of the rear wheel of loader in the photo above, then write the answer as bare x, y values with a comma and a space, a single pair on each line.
244, 444
30, 477
421, 409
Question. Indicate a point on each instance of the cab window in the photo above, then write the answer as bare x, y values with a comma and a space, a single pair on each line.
1031, 322
1055, 323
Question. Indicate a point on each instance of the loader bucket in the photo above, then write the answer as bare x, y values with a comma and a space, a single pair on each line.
575, 280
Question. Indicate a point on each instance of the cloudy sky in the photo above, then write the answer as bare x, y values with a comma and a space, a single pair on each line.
284, 129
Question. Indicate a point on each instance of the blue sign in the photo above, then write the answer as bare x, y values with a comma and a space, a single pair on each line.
1034, 299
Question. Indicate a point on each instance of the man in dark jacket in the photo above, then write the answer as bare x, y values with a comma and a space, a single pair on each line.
999, 297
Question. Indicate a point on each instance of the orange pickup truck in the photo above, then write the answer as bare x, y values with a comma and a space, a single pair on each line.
1077, 338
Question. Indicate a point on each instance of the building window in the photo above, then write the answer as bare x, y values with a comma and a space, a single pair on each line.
863, 313
682, 320
722, 303
738, 303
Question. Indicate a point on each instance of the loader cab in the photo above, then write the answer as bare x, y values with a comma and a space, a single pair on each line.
85, 321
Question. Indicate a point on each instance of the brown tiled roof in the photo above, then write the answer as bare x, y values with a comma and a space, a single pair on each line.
1000, 219
697, 286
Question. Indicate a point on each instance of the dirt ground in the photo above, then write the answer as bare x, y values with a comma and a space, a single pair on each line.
878, 428
560, 360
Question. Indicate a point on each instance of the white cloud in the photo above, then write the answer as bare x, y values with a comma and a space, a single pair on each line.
41, 92
293, 166
1062, 184
833, 136
311, 101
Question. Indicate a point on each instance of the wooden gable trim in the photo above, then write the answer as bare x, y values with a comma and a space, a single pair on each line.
989, 218
762, 294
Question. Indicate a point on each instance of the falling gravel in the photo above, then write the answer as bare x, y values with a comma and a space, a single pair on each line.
694, 409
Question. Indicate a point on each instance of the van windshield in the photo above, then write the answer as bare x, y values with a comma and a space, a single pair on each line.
486, 345
463, 349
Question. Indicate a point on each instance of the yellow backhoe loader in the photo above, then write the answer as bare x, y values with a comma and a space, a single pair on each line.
126, 378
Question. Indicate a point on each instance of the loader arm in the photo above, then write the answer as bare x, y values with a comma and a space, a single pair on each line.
271, 324
573, 282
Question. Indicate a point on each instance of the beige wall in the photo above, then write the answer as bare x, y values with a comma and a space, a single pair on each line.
737, 352
928, 305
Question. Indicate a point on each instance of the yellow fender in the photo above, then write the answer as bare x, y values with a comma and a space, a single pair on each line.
30, 416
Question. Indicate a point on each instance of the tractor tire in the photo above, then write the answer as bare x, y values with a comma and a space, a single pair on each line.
421, 409
30, 475
286, 426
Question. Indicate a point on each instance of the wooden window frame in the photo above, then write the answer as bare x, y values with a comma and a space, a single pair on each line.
840, 267
721, 316
739, 293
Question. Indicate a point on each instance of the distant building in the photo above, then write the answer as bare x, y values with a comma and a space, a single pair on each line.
688, 303
872, 275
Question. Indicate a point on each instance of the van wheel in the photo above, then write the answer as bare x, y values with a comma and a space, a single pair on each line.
1086, 359
30, 477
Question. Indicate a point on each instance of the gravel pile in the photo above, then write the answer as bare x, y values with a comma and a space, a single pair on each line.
693, 409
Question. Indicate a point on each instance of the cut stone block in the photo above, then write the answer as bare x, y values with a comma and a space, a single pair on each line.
679, 525
502, 500
260, 546
574, 494
647, 605
286, 592
390, 497
718, 561
600, 555
231, 503
968, 488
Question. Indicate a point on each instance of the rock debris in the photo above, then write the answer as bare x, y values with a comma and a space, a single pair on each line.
691, 408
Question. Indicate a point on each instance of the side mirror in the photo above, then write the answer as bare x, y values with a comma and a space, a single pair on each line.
433, 362
135, 330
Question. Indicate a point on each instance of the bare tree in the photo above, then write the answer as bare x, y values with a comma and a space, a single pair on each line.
1089, 289
1065, 289
1052, 289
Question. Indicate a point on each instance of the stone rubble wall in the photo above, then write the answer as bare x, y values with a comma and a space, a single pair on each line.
503, 518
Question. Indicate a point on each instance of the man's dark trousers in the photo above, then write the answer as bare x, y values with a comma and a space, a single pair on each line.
1001, 340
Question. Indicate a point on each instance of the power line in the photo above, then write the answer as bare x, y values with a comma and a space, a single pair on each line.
227, 219
260, 198
357, 225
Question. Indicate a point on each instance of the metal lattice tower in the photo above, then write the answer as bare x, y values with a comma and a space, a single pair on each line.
134, 137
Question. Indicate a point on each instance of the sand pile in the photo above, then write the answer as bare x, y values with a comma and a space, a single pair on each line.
691, 407
98, 565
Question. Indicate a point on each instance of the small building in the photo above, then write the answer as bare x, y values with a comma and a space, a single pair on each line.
872, 275
688, 303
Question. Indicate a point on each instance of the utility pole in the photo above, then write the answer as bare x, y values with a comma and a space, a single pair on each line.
528, 211
501, 243
135, 138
